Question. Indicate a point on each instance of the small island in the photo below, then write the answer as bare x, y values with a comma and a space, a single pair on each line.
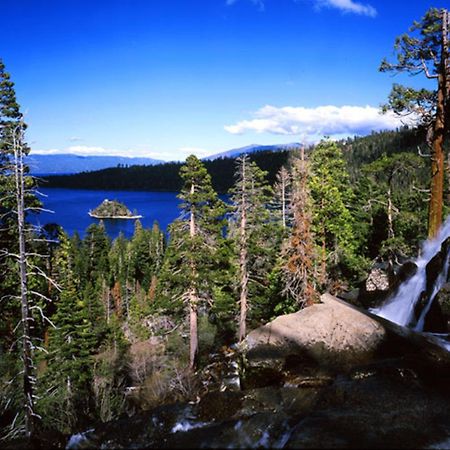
112, 209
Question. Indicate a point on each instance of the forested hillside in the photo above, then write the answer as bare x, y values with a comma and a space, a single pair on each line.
164, 177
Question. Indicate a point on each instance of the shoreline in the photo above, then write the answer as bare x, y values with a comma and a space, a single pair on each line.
95, 216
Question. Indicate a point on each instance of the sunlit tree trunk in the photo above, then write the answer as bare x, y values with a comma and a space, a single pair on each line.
243, 254
437, 163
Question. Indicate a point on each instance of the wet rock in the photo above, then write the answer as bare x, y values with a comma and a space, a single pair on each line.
435, 321
381, 405
404, 273
261, 430
443, 297
332, 333
218, 406
382, 410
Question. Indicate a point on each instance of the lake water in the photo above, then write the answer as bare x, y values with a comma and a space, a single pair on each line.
71, 208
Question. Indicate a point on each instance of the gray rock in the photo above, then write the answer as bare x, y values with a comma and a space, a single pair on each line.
333, 333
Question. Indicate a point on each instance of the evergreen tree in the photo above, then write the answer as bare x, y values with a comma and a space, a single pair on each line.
16, 196
80, 330
10, 118
119, 264
332, 221
425, 51
254, 234
194, 240
392, 192
96, 244
146, 252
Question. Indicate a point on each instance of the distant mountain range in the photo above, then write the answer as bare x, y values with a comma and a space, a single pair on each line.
252, 149
69, 163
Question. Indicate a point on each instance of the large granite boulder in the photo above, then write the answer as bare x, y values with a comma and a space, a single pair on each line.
332, 333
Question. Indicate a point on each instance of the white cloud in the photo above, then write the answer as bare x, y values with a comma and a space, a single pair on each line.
314, 123
75, 139
258, 3
348, 6
85, 150
199, 152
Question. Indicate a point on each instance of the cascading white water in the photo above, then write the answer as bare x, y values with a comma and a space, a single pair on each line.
400, 308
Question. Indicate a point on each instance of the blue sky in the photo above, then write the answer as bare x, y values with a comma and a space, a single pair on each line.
166, 78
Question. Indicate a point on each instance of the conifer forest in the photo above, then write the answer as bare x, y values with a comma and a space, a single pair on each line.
95, 330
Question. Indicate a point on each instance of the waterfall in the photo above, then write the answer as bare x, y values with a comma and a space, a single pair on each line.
400, 307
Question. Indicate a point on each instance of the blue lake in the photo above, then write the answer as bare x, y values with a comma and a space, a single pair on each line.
70, 209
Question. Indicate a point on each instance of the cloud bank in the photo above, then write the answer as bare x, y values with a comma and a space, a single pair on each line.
85, 150
314, 123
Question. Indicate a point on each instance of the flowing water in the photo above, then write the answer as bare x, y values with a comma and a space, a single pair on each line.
400, 307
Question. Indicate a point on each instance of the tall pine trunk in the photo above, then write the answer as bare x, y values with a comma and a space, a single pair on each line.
193, 300
437, 146
243, 257
26, 319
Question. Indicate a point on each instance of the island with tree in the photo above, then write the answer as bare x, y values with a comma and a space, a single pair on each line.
112, 209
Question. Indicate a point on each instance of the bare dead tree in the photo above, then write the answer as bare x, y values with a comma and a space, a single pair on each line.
27, 318
282, 193
299, 253
26, 268
243, 162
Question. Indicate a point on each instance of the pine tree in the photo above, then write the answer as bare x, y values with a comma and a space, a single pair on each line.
118, 258
80, 330
393, 191
194, 240
425, 50
253, 233
146, 252
17, 196
332, 222
96, 244
10, 118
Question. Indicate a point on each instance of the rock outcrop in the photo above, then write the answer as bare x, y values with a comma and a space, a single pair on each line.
332, 332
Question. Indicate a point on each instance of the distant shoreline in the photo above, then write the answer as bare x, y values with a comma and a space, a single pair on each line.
95, 216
